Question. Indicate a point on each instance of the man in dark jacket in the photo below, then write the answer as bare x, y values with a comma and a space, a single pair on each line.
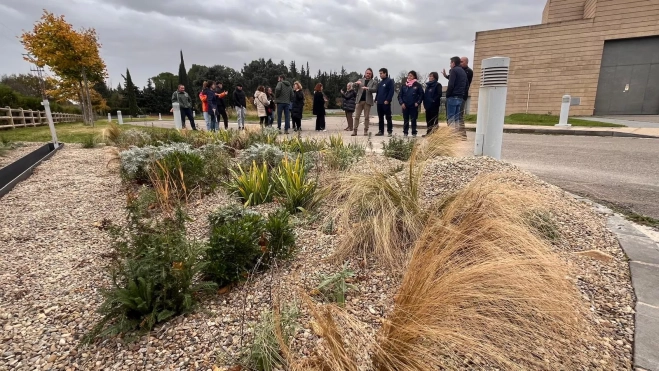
211, 101
221, 104
240, 102
457, 87
185, 104
464, 63
432, 99
410, 98
383, 99
283, 98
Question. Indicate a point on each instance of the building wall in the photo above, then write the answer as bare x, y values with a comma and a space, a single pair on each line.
563, 10
563, 57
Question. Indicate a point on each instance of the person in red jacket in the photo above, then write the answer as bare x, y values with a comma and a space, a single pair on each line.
204, 105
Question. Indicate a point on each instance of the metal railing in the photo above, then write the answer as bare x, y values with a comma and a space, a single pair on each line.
19, 118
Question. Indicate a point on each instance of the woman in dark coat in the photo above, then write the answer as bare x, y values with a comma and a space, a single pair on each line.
410, 98
298, 106
319, 107
273, 106
348, 106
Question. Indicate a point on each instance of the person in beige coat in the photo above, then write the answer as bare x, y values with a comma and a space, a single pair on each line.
365, 88
262, 102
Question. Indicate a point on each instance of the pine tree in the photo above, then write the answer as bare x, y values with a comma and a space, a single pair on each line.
131, 95
183, 77
293, 70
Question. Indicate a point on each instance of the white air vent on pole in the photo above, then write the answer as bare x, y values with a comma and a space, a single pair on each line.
492, 106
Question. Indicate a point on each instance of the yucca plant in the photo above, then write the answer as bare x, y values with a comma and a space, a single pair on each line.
297, 193
254, 187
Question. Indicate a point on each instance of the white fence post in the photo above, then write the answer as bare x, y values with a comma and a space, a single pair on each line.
109, 117
565, 111
178, 123
51, 124
120, 118
160, 117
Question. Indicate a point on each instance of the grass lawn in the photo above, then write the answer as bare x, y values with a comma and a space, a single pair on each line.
66, 133
550, 120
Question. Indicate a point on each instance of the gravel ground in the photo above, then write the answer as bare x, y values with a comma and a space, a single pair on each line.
21, 150
52, 269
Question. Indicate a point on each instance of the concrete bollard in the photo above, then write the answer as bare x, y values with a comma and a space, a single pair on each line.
109, 117
565, 111
120, 118
160, 117
176, 110
51, 123
492, 107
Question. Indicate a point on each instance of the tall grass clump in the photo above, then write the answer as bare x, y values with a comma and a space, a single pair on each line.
272, 337
481, 287
398, 148
442, 142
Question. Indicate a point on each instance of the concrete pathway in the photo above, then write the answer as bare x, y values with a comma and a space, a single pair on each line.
645, 121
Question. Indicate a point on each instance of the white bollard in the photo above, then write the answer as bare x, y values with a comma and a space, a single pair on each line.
492, 107
51, 123
160, 117
120, 118
176, 110
565, 111
109, 117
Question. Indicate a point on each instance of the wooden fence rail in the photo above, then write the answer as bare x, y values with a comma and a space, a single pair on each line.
17, 118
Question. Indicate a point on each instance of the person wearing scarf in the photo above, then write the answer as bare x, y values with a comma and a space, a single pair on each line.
432, 100
410, 97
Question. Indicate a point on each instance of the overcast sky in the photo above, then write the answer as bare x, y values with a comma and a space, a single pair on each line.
146, 35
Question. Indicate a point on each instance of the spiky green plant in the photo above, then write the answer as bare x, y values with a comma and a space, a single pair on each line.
254, 187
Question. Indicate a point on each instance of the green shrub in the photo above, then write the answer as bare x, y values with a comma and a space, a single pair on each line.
254, 187
297, 193
280, 236
217, 165
266, 353
334, 287
262, 153
235, 246
339, 156
398, 148
155, 276
88, 141
242, 241
263, 136
180, 172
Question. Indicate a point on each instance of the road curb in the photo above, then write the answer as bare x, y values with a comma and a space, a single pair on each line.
643, 256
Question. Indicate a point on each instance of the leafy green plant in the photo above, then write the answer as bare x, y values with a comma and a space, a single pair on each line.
298, 145
263, 136
242, 241
280, 236
296, 191
235, 246
155, 276
273, 328
217, 165
335, 287
88, 141
398, 148
254, 187
339, 156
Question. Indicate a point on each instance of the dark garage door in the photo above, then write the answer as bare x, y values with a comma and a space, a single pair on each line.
629, 78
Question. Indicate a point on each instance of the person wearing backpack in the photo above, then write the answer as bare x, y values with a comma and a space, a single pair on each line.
410, 98
240, 102
348, 105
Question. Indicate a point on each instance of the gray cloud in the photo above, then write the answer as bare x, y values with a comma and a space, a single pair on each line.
146, 35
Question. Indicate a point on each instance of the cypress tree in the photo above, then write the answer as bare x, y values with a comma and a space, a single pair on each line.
130, 94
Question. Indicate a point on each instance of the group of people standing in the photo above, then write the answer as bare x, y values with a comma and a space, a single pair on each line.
288, 101
358, 99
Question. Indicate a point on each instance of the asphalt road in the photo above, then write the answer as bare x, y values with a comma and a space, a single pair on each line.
621, 171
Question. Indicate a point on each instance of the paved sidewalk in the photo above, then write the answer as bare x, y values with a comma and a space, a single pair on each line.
645, 121
643, 254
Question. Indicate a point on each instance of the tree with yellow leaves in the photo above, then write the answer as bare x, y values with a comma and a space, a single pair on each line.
72, 55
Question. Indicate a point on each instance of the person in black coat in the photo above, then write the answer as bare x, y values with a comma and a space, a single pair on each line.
349, 103
410, 98
319, 107
432, 99
220, 93
298, 106
273, 106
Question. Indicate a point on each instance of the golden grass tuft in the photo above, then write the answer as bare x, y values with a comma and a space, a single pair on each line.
380, 211
481, 287
111, 133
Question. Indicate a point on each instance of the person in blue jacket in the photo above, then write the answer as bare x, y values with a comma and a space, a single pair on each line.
211, 101
410, 98
432, 99
383, 98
